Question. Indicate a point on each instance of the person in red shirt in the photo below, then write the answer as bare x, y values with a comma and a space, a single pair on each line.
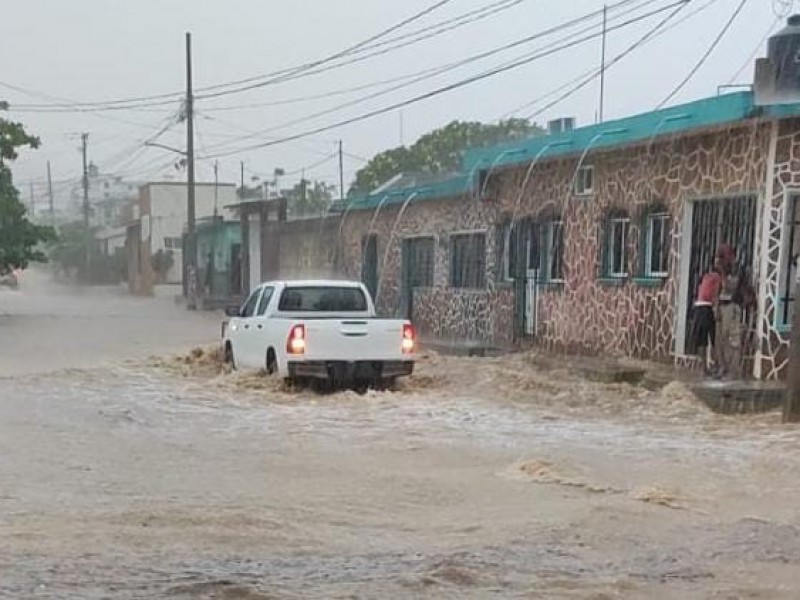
705, 307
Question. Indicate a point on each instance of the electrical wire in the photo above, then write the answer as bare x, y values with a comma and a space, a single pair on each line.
167, 98
752, 55
450, 87
592, 74
650, 35
443, 69
705, 55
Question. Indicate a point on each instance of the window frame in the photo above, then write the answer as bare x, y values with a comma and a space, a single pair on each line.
611, 222
243, 310
666, 225
480, 259
266, 295
508, 246
579, 186
551, 253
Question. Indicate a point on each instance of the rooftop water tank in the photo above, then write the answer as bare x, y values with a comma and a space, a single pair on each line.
777, 79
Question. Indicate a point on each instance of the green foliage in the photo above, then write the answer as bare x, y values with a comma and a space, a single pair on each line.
19, 238
75, 245
439, 151
309, 198
69, 252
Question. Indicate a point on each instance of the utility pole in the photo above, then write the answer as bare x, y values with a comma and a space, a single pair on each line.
50, 195
791, 409
341, 171
216, 184
191, 246
303, 187
32, 205
603, 61
84, 140
241, 188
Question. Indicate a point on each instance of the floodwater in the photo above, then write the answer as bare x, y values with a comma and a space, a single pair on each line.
129, 472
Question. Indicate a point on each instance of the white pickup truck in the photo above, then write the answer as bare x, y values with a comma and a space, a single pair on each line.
318, 330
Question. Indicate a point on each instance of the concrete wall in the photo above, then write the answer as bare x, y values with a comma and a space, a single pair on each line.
166, 204
305, 248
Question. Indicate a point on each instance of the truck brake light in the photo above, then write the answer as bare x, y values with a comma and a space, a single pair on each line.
296, 344
409, 342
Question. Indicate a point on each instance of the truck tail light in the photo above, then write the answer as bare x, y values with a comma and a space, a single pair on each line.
409, 343
296, 344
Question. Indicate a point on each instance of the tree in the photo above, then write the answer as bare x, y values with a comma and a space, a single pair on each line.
439, 151
19, 238
309, 198
68, 252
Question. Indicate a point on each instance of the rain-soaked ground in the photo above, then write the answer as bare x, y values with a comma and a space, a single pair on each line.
128, 476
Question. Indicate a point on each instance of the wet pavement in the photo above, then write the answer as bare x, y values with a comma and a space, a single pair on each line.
126, 476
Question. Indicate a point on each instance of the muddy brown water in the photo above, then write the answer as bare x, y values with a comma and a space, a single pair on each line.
169, 477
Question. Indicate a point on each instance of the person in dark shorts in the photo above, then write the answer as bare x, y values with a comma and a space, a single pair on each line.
705, 306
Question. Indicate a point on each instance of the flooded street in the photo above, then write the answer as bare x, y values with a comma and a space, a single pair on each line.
128, 476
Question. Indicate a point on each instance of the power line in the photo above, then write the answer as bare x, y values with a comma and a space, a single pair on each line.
592, 74
752, 55
284, 76
288, 74
428, 73
163, 99
452, 86
705, 56
650, 35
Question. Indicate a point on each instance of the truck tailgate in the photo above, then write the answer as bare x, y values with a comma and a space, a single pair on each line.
354, 339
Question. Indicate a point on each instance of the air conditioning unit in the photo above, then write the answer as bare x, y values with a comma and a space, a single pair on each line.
562, 125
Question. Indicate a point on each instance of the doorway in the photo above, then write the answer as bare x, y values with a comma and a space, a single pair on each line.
369, 263
730, 220
417, 271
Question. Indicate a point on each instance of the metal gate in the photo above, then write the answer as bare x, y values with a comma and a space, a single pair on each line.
417, 271
716, 221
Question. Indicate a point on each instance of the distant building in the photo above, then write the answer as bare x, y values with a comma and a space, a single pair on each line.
159, 221
108, 195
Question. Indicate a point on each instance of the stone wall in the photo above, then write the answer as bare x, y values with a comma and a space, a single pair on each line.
482, 315
784, 184
584, 313
591, 315
465, 315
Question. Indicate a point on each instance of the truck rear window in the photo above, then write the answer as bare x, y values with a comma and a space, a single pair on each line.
323, 299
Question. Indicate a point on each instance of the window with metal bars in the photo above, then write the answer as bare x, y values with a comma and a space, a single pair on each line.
468, 260
657, 245
615, 247
555, 251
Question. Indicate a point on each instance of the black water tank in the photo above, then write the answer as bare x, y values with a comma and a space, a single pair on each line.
783, 50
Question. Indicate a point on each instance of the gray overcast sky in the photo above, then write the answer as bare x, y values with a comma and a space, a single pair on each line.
92, 50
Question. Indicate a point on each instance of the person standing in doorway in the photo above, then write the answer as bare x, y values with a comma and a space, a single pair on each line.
736, 299
704, 329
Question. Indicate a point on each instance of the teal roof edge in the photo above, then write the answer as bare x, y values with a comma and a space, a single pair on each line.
697, 115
